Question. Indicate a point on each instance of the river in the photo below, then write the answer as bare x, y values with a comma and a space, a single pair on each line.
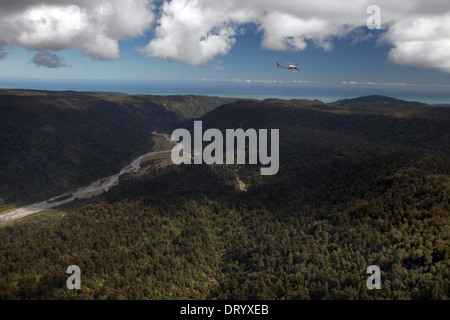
92, 190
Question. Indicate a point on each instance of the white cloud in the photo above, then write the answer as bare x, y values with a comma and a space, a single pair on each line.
421, 41
191, 32
194, 32
91, 26
395, 84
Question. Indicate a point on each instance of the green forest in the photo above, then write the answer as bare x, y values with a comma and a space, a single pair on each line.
53, 141
361, 182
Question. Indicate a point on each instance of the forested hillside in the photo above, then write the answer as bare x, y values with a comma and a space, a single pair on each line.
52, 142
355, 188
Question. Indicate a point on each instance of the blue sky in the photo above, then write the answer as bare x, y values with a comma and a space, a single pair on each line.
364, 61
178, 40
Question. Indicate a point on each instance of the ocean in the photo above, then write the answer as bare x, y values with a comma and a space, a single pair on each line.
236, 88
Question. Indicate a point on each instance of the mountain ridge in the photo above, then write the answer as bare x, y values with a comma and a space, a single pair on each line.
354, 188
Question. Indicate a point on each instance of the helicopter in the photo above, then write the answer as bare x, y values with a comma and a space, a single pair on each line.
291, 67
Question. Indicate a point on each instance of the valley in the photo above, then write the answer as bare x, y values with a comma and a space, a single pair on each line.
361, 182
94, 189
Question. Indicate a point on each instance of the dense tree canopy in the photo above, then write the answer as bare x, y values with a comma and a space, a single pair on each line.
354, 189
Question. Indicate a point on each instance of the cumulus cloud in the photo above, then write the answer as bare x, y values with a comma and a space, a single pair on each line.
192, 32
95, 27
48, 60
257, 81
422, 41
195, 32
